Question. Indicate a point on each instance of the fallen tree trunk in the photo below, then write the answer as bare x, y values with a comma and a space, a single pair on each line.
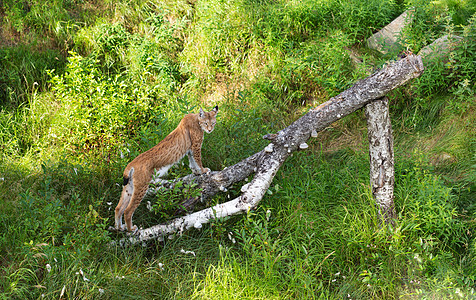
266, 163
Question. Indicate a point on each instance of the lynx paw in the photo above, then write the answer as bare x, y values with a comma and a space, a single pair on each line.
120, 227
134, 229
206, 170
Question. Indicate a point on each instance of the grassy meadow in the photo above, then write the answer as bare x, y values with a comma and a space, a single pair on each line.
87, 85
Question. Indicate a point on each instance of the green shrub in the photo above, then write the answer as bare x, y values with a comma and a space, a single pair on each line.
457, 68
101, 112
110, 46
168, 202
429, 206
463, 66
41, 16
427, 25
448, 81
229, 39
50, 23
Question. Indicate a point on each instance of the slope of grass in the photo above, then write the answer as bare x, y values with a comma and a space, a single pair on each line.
87, 86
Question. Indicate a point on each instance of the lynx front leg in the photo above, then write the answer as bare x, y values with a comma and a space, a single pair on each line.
196, 163
137, 196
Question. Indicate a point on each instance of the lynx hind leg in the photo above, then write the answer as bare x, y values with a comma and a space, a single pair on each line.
137, 196
126, 195
122, 205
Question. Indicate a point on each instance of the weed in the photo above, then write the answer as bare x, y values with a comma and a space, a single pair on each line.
169, 201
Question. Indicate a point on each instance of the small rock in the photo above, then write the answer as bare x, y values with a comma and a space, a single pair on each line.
441, 47
386, 40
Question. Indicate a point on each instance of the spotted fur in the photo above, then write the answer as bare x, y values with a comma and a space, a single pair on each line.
186, 139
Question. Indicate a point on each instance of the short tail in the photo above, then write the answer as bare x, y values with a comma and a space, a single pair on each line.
126, 178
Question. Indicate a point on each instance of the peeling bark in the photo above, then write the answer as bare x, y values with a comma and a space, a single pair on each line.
266, 163
382, 174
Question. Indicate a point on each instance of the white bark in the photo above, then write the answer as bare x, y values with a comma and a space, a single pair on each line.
266, 163
248, 200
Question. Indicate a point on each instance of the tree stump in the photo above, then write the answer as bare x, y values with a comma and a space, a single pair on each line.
382, 170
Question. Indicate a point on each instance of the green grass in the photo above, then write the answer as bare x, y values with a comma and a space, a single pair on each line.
87, 86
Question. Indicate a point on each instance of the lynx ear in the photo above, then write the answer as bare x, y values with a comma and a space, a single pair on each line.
215, 109
201, 113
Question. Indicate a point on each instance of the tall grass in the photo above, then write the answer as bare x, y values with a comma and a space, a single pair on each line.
24, 73
109, 86
315, 235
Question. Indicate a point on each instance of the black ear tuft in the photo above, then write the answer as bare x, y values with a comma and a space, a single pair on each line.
215, 108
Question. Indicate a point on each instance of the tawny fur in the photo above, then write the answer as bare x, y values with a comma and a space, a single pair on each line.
186, 139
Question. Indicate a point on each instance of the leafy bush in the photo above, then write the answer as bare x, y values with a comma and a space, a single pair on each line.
456, 67
108, 44
449, 81
168, 202
100, 112
228, 38
427, 25
463, 66
429, 206
40, 16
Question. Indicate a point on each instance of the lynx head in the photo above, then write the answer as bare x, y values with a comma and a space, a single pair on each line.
207, 120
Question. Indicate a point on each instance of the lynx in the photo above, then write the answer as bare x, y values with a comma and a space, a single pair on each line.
186, 139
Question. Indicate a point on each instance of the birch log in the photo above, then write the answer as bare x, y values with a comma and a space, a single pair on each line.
266, 163
382, 174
